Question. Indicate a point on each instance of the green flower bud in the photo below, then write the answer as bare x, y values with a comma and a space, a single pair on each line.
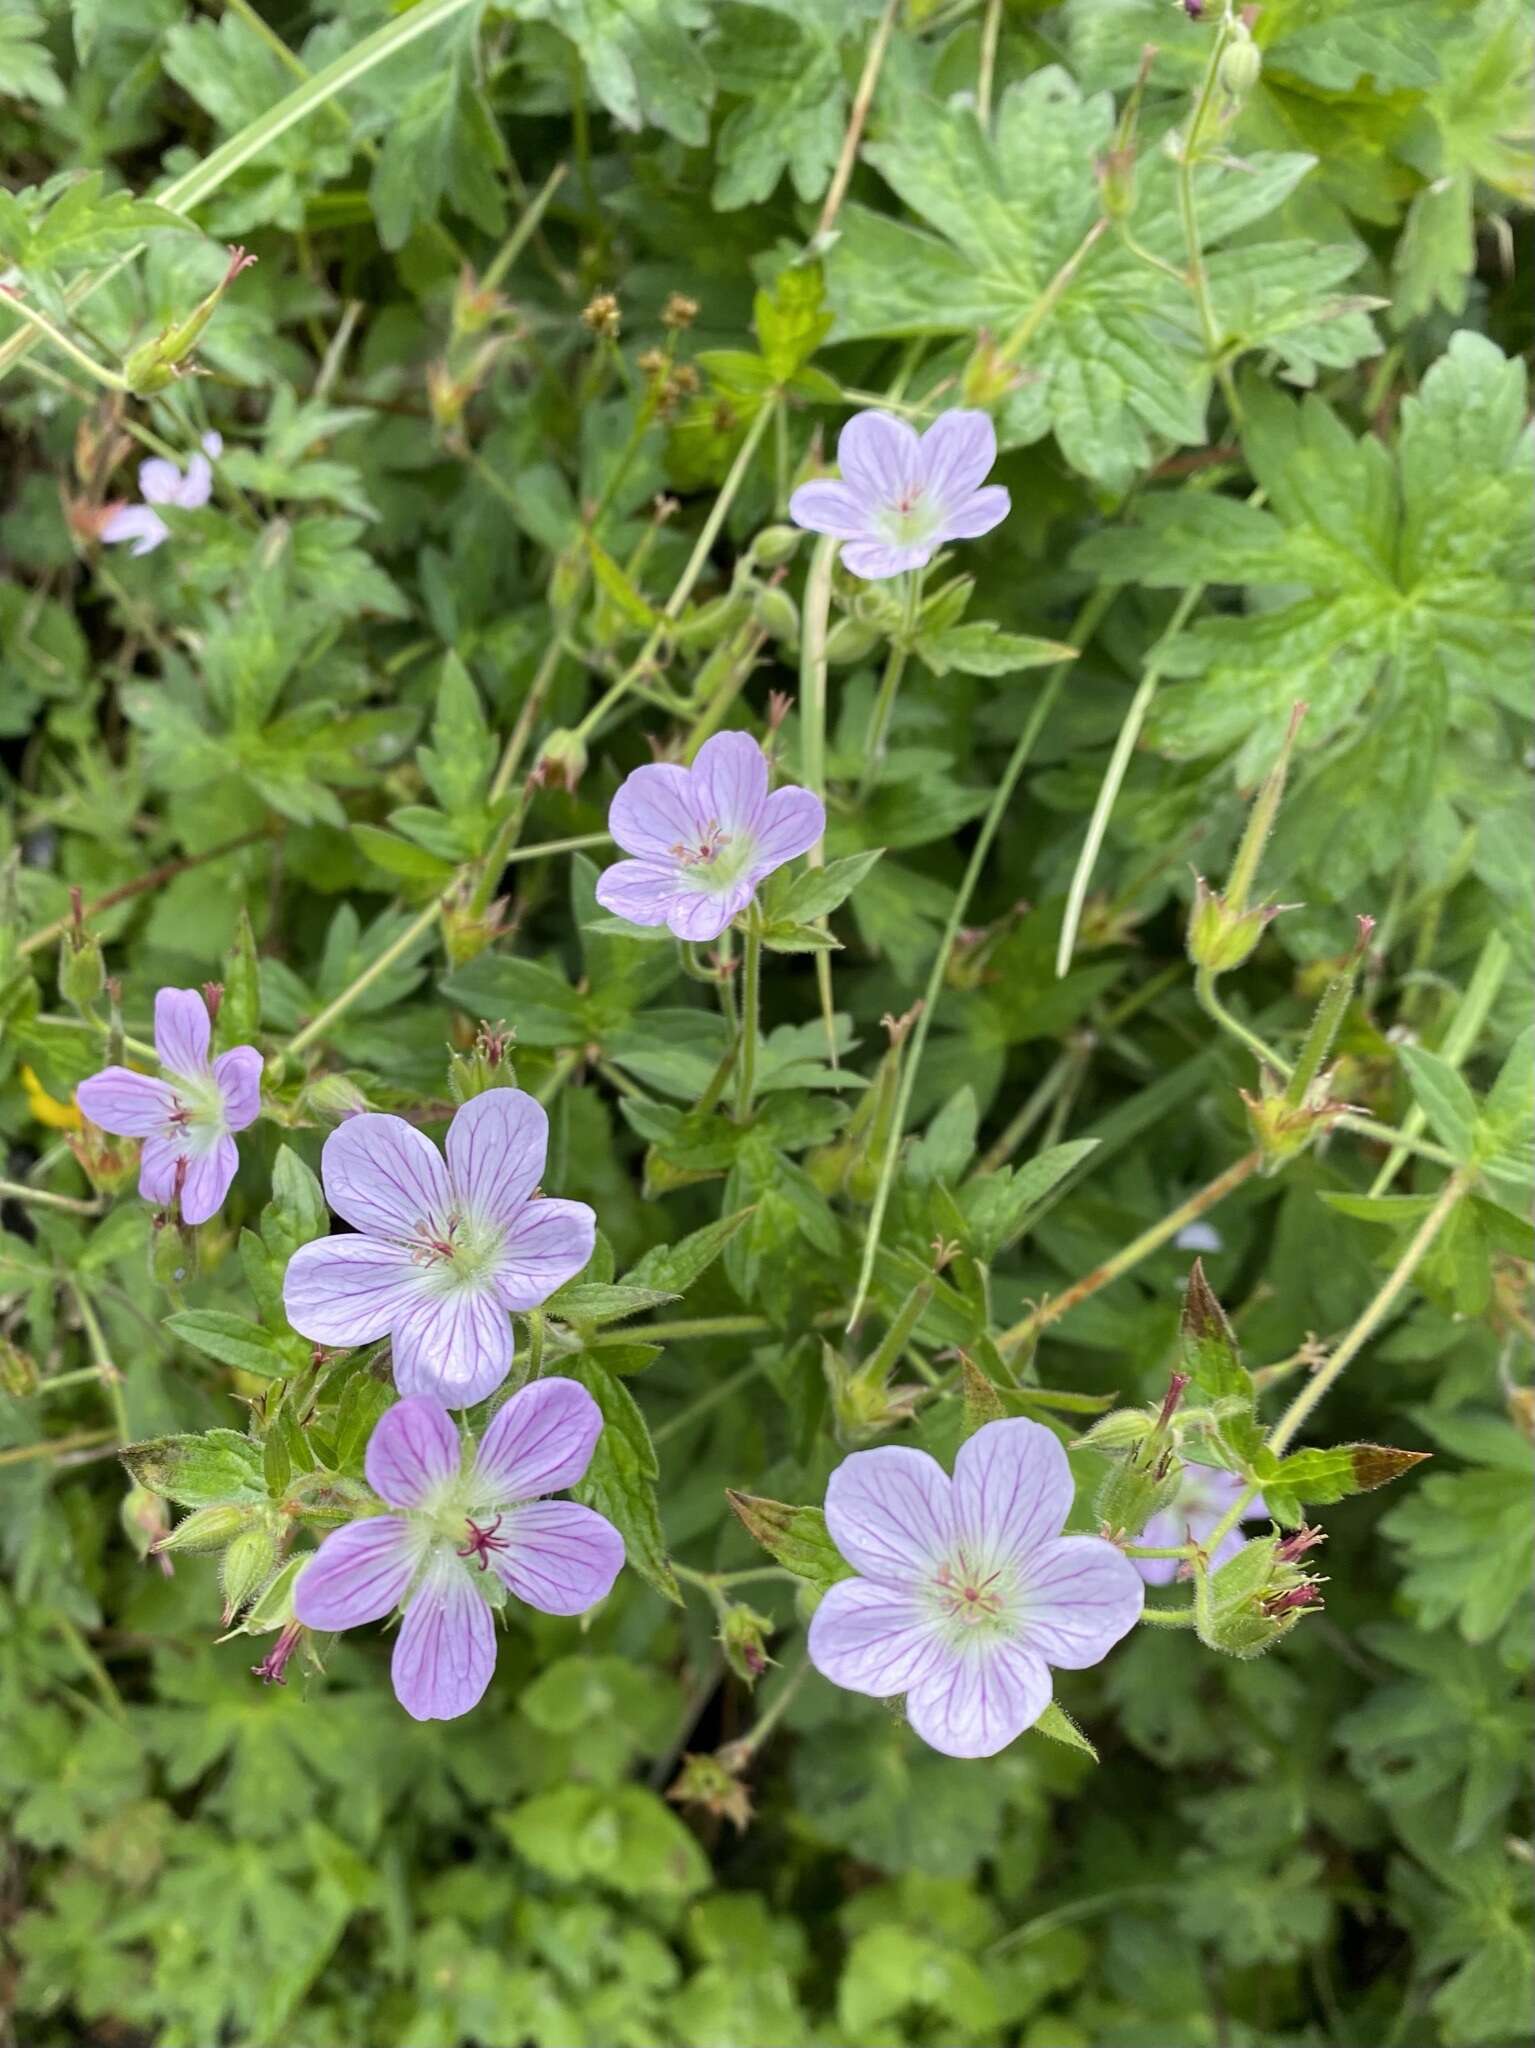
172, 1255
1256, 1598
331, 1098
145, 1520
1122, 1430
1282, 1128
82, 970
209, 1528
1221, 937
1241, 63
562, 758
1130, 1495
774, 546
18, 1370
158, 363
851, 640
248, 1563
777, 614
488, 1065
743, 1638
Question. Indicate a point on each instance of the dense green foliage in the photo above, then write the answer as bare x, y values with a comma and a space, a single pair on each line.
1249, 318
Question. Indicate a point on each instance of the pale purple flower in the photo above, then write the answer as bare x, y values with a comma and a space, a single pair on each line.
703, 837
902, 497
187, 1115
464, 1514
163, 483
1202, 1500
968, 1592
1199, 1236
446, 1252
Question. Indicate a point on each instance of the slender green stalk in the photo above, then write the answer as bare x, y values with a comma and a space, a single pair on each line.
57, 1446
41, 1198
1114, 775
106, 1372
863, 99
526, 228
1052, 294
1086, 624
1168, 1617
527, 717
395, 950
708, 534
751, 1016
814, 629
1314, 1390
737, 1755
991, 31
890, 683
1132, 1254
1487, 978
1198, 276
13, 302
1215, 1009
722, 1391
1153, 1550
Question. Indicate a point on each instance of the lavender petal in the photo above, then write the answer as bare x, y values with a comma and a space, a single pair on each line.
702, 914
654, 811
158, 1162
210, 1174
1012, 1490
889, 1513
958, 450
827, 507
455, 1347
791, 822
982, 1700
414, 1450
139, 523
640, 890
562, 1558
384, 1176
876, 560
349, 1290
445, 1652
358, 1574
977, 514
547, 1243
879, 457
874, 1639
1078, 1597
182, 1031
127, 1104
238, 1073
497, 1144
730, 781
540, 1441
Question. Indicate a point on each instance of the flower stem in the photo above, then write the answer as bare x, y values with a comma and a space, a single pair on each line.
890, 683
43, 1198
737, 1755
521, 732
1481, 991
863, 99
814, 629
720, 1391
751, 1003
991, 30
56, 1446
167, 871
1086, 624
15, 303
1215, 1009
395, 950
1133, 1253
708, 534
106, 1372
1052, 294
1198, 276
1168, 1617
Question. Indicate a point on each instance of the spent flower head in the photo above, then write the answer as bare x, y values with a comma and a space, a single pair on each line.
444, 1251
902, 496
703, 837
187, 1116
163, 483
468, 1522
967, 1591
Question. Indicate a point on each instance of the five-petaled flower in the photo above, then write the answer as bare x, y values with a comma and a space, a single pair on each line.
446, 1251
902, 497
1201, 1502
703, 837
968, 1592
163, 483
467, 1523
187, 1115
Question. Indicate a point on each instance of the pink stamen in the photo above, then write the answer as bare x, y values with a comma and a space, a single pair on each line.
483, 1541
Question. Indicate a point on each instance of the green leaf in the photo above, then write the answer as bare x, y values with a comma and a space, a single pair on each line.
796, 1536
26, 67
587, 1301
1059, 1726
1316, 1478
643, 57
1443, 1097
442, 143
296, 1213
818, 891
233, 1340
982, 1402
620, 1482
1208, 1344
459, 762
983, 649
674, 1267
791, 321
199, 1471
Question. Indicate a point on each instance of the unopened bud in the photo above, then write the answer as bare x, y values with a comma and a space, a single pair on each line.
248, 1563
851, 640
82, 970
1283, 1128
562, 758
774, 546
158, 363
467, 932
487, 1065
1131, 1494
1220, 938
743, 1639
474, 307
208, 1528
1254, 1600
705, 1782
146, 1523
1116, 183
777, 614
1241, 63
989, 376
332, 1098
172, 1254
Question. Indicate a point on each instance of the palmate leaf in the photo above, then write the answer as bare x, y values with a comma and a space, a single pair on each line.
1118, 358
643, 58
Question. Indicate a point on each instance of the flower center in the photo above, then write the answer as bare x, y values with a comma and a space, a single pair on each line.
968, 1594
196, 1111
911, 517
711, 843
457, 1249
715, 858
480, 1542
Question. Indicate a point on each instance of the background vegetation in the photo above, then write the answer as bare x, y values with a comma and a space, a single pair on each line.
1249, 315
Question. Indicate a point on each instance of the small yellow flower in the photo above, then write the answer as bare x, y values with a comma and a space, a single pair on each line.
46, 1108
